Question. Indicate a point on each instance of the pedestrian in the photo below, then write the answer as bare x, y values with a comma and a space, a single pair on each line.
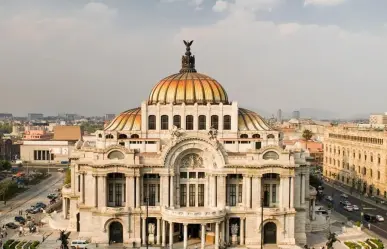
369, 226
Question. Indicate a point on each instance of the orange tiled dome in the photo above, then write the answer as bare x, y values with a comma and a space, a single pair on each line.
251, 121
129, 120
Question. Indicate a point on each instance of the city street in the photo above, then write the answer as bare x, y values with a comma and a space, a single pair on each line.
36, 193
379, 228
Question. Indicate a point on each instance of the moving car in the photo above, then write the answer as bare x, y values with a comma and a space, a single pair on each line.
40, 205
379, 218
348, 208
355, 208
52, 196
11, 225
370, 217
79, 243
329, 198
343, 195
20, 219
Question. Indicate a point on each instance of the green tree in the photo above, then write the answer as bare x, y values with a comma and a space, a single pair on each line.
5, 165
307, 135
91, 128
6, 128
67, 178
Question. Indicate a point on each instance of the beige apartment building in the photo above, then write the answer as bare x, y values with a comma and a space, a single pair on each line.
357, 157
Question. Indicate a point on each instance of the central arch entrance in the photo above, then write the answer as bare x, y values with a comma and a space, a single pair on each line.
270, 233
116, 232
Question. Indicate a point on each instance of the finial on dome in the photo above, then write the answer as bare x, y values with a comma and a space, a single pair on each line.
188, 60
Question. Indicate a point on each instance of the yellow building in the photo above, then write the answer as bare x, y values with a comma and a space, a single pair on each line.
357, 157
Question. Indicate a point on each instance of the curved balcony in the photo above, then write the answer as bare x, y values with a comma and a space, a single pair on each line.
66, 190
194, 215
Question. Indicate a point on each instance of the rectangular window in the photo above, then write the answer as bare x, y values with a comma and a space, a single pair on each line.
44, 154
202, 122
189, 122
201, 175
192, 175
177, 121
39, 155
183, 175
52, 157
240, 191
110, 192
274, 193
118, 201
35, 155
183, 195
124, 192
145, 193
158, 193
192, 192
201, 195
232, 195
79, 183
152, 194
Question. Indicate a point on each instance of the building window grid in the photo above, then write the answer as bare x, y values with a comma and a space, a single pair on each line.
192, 195
189, 122
177, 121
152, 122
183, 195
202, 122
201, 195
226, 122
164, 122
215, 121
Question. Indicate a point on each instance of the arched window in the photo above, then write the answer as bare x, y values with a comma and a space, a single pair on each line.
109, 136
189, 122
215, 121
100, 135
244, 136
270, 155
378, 175
256, 136
134, 136
116, 155
270, 136
202, 122
177, 121
226, 122
164, 122
152, 122
122, 136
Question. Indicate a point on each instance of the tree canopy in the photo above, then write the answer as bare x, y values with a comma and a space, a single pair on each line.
307, 134
91, 127
6, 128
5, 165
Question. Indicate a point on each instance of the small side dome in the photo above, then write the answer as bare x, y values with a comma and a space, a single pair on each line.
129, 120
251, 121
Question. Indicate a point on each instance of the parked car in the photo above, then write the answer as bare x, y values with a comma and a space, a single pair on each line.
355, 208
348, 208
11, 225
36, 210
20, 219
40, 205
344, 196
329, 198
379, 218
79, 243
52, 196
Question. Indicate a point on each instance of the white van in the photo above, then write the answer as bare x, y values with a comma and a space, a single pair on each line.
79, 243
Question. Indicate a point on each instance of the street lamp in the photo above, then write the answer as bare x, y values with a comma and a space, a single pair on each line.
261, 222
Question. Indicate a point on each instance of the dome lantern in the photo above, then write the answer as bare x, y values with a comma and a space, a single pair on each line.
188, 60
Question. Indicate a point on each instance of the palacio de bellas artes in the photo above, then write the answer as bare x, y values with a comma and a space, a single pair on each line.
189, 167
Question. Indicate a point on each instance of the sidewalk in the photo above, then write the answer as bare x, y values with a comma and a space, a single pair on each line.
357, 195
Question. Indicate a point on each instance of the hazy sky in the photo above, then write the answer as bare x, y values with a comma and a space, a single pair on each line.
96, 57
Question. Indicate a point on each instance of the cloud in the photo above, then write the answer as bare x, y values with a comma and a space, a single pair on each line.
324, 2
220, 6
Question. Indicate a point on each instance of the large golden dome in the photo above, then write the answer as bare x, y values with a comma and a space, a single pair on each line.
251, 121
188, 86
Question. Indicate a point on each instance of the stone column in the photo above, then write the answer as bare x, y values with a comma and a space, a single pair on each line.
242, 233
291, 191
213, 190
127, 192
248, 192
158, 231
185, 241
227, 230
95, 190
217, 235
137, 192
82, 183
163, 233
203, 238
102, 190
170, 235
143, 233
280, 195
172, 199
256, 196
221, 191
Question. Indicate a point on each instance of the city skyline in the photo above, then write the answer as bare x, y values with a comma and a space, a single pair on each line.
103, 57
